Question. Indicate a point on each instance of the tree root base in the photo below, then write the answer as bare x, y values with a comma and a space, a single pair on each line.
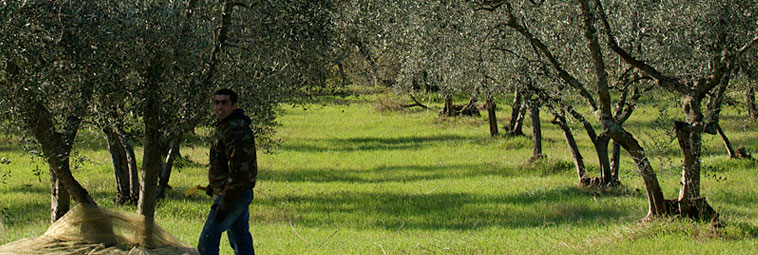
596, 182
460, 110
535, 158
125, 200
513, 133
697, 209
742, 153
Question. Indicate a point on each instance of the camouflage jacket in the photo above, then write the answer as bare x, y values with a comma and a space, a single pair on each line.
233, 167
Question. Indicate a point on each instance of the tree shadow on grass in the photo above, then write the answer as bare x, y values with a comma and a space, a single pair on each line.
6, 147
745, 229
394, 173
27, 188
737, 198
22, 213
445, 211
371, 143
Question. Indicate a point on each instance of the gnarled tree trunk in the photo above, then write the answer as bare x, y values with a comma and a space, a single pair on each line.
656, 204
151, 165
60, 199
689, 135
727, 143
131, 160
601, 147
576, 155
615, 163
415, 103
470, 108
120, 165
518, 111
491, 113
168, 165
534, 114
690, 203
57, 152
752, 109
600, 143
689, 144
152, 154
56, 148
448, 109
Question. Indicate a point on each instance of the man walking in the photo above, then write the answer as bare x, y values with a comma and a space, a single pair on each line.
232, 172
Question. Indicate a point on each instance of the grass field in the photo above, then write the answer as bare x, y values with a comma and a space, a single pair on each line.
350, 179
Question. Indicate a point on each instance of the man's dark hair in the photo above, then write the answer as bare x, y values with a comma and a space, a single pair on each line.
228, 92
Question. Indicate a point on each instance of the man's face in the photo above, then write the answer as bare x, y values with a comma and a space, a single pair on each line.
222, 106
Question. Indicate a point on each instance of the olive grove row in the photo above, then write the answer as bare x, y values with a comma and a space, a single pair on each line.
142, 71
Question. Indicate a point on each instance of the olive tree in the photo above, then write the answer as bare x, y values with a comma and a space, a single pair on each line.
414, 46
53, 56
443, 49
585, 72
692, 50
364, 42
178, 53
717, 59
158, 61
541, 38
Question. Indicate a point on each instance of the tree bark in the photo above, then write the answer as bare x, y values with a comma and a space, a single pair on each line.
517, 115
518, 128
656, 203
534, 112
752, 109
57, 149
415, 103
152, 153
601, 147
727, 144
168, 166
120, 165
491, 113
615, 163
576, 155
134, 181
131, 159
689, 135
600, 143
60, 199
448, 110
151, 165
689, 144
690, 203
470, 108
56, 152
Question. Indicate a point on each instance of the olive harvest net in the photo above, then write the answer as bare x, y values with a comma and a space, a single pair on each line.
91, 230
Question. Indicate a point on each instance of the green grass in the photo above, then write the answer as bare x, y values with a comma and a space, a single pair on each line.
355, 180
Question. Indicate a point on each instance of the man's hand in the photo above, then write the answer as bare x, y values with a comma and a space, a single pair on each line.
208, 191
194, 190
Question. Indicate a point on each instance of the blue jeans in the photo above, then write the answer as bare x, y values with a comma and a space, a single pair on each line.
235, 223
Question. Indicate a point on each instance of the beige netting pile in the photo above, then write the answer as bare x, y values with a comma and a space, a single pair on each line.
89, 230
